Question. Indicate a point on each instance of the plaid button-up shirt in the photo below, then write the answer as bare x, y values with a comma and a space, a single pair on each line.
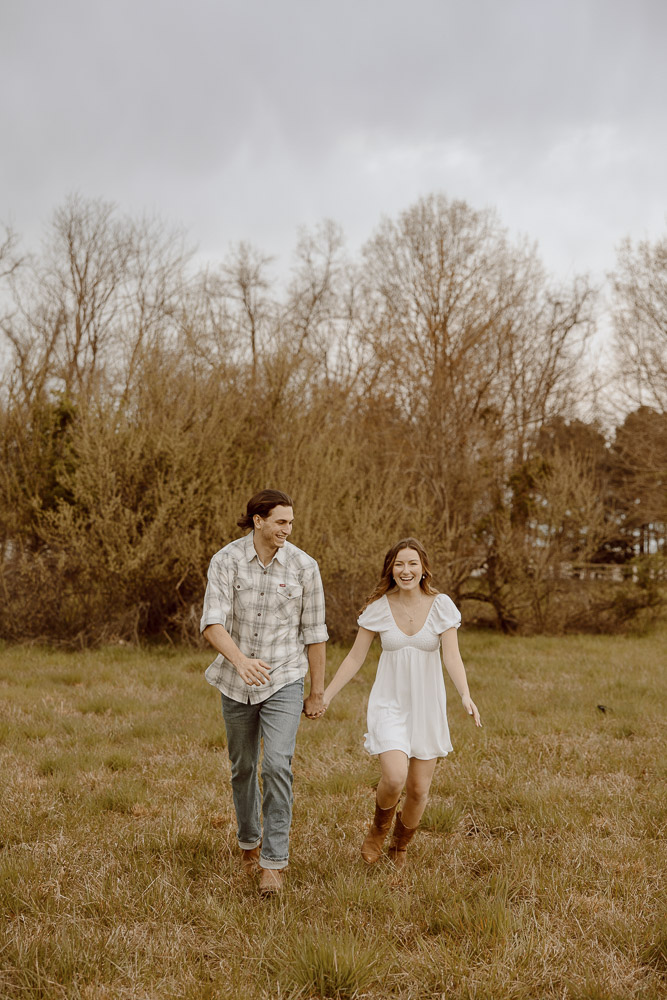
271, 612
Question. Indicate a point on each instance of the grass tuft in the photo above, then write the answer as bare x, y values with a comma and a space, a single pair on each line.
119, 761
122, 796
654, 949
478, 920
334, 964
442, 816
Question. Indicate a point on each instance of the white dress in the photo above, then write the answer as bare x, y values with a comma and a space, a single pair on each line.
407, 707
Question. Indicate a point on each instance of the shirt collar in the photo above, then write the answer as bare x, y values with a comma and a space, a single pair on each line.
251, 552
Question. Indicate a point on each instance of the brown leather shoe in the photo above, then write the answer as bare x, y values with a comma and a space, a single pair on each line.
250, 860
400, 838
270, 881
371, 849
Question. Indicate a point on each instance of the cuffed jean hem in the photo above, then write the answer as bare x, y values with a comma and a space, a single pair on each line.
249, 847
273, 865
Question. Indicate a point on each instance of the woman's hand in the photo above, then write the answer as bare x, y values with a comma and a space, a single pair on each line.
471, 709
312, 706
317, 711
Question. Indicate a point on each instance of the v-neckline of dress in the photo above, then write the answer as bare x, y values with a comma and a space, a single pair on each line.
413, 634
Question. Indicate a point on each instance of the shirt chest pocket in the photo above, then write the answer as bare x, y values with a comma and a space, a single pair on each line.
287, 602
242, 594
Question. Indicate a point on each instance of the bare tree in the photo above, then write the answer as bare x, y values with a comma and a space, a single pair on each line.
10, 259
477, 350
154, 286
314, 340
105, 288
10, 262
640, 322
67, 302
244, 284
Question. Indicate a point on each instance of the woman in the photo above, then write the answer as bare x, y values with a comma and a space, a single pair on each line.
407, 720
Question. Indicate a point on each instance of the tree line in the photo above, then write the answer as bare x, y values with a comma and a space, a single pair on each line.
437, 384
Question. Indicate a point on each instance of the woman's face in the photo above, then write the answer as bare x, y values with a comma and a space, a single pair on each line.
407, 569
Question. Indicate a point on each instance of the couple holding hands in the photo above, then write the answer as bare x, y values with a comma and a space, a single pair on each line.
264, 615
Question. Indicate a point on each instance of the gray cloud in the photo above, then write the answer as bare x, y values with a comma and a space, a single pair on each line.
245, 120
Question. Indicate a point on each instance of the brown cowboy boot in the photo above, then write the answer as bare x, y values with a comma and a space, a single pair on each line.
250, 860
371, 849
270, 881
401, 837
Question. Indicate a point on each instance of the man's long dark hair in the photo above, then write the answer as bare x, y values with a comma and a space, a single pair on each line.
262, 503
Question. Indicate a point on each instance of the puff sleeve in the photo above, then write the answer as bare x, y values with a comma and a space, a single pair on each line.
445, 614
376, 617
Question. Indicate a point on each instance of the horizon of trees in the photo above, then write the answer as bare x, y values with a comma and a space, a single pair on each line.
439, 384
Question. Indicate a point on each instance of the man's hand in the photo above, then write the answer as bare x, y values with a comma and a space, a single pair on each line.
313, 706
253, 672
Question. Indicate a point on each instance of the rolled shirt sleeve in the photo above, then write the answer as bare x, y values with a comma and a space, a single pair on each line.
217, 599
313, 627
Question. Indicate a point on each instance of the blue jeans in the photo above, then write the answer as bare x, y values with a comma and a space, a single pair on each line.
275, 721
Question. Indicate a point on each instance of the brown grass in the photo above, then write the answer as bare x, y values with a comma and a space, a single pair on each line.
539, 871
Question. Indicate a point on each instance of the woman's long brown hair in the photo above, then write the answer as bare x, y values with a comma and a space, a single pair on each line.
387, 583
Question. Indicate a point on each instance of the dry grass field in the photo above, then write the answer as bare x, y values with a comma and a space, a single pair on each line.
540, 871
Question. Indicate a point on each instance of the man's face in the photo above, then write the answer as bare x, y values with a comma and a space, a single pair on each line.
275, 529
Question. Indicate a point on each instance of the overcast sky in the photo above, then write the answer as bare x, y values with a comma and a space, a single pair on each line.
247, 120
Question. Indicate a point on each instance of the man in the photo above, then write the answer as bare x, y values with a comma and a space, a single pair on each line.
264, 614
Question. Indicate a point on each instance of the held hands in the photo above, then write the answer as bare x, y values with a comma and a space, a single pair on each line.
471, 708
253, 672
314, 706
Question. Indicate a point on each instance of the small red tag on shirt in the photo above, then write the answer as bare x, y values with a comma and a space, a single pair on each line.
282, 584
